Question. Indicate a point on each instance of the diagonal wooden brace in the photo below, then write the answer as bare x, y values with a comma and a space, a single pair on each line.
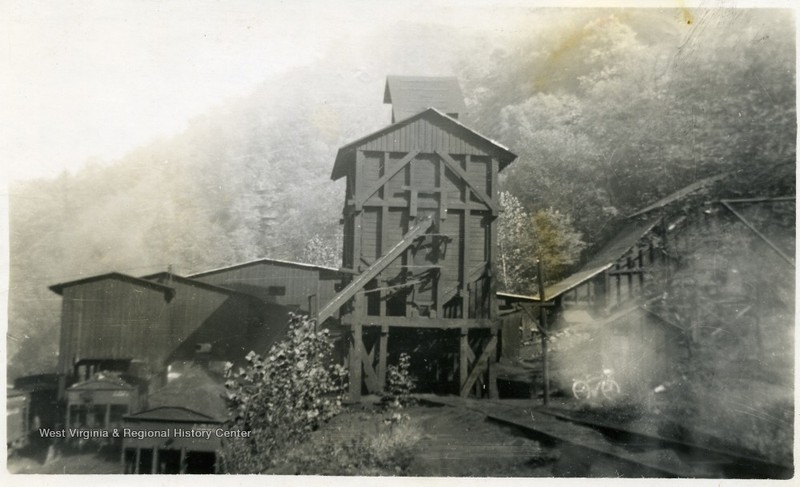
456, 168
480, 367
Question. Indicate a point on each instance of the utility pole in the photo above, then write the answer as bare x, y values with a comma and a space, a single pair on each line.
544, 331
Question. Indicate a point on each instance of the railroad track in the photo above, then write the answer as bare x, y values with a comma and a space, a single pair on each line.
624, 452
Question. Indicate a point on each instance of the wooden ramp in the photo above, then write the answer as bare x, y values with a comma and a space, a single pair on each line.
656, 462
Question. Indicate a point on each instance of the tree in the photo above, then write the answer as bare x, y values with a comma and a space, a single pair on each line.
524, 239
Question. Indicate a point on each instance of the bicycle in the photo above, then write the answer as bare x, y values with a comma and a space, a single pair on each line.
588, 387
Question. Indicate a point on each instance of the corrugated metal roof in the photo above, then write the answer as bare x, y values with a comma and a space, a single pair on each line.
346, 155
601, 261
410, 95
264, 260
196, 391
59, 288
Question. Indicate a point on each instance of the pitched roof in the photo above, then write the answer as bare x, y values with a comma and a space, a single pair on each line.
103, 381
173, 413
168, 291
166, 277
346, 154
680, 194
263, 261
196, 391
601, 261
410, 95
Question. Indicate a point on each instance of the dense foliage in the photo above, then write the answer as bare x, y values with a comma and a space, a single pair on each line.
607, 110
282, 397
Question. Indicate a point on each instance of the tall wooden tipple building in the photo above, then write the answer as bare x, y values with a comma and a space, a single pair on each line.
420, 235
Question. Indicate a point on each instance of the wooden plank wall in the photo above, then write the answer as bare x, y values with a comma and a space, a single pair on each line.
426, 136
299, 282
112, 319
385, 212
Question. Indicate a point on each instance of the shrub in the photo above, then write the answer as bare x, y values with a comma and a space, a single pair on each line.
390, 451
399, 383
282, 397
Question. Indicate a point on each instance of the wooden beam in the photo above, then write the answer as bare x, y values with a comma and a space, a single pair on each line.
758, 200
439, 293
545, 336
493, 306
359, 282
370, 378
355, 360
456, 168
442, 193
465, 256
389, 174
463, 356
766, 240
536, 320
383, 347
480, 366
422, 322
357, 240
492, 365
626, 272
403, 204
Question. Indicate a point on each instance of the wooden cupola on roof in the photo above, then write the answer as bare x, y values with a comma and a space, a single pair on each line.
410, 95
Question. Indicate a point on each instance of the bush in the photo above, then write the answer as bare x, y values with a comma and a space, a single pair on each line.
389, 452
281, 398
399, 383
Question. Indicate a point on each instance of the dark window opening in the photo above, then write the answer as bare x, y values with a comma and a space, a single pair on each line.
145, 461
200, 462
276, 291
169, 461
130, 460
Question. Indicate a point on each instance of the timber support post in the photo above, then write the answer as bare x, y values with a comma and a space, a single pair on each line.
383, 346
543, 323
463, 363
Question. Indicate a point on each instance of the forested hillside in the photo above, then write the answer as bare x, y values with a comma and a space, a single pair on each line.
607, 110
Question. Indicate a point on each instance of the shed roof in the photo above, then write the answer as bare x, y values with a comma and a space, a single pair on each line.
168, 291
347, 154
410, 95
264, 260
601, 261
680, 194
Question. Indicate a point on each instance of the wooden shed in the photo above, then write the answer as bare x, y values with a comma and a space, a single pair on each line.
419, 240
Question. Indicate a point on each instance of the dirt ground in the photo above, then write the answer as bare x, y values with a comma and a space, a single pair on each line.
453, 442
86, 462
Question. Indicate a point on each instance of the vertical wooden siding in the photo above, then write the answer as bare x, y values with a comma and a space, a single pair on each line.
112, 319
299, 282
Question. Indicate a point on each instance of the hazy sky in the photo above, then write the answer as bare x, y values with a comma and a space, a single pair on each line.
95, 79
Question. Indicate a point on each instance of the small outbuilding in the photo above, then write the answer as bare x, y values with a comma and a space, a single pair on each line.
181, 431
